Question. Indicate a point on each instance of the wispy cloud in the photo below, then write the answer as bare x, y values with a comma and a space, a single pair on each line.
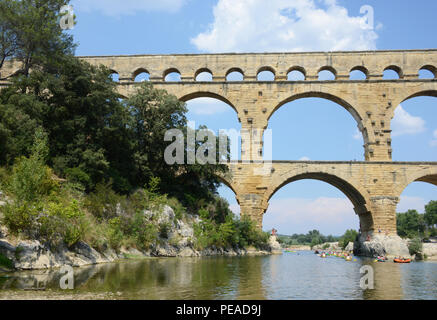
404, 123
283, 25
127, 7
300, 215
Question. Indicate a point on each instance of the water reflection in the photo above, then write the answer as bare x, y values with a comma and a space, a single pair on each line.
290, 276
387, 284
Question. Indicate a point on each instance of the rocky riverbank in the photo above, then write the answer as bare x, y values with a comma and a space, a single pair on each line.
382, 245
429, 251
32, 254
372, 246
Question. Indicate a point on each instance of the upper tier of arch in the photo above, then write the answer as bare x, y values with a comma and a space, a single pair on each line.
406, 62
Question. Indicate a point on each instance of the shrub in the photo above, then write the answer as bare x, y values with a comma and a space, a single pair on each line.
115, 233
77, 175
144, 231
50, 222
63, 222
31, 179
164, 228
349, 236
415, 246
103, 202
232, 233
177, 207
20, 217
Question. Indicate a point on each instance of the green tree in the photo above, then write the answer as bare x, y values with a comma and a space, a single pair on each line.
31, 179
30, 33
8, 38
415, 246
410, 224
80, 110
431, 213
349, 236
154, 112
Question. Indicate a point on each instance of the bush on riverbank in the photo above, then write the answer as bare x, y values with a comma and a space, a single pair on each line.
39, 206
233, 232
415, 246
349, 236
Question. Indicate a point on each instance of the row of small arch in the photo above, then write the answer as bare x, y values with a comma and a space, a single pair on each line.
293, 74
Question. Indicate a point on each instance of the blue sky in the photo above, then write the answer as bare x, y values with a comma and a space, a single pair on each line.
107, 27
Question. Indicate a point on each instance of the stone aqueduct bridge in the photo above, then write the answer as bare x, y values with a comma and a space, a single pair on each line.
373, 186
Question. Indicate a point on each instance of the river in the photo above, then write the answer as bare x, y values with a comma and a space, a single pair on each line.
299, 275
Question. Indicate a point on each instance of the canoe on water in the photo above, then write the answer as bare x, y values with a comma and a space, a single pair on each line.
402, 260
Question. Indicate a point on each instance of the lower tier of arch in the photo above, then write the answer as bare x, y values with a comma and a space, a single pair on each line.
374, 188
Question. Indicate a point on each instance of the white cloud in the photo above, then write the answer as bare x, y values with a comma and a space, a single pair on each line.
127, 7
298, 215
433, 142
207, 106
283, 25
305, 158
357, 135
404, 123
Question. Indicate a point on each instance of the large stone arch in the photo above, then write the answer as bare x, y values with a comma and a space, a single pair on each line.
425, 174
428, 89
424, 93
187, 96
226, 179
352, 191
331, 97
206, 94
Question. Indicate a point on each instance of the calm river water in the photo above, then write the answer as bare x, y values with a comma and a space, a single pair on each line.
301, 275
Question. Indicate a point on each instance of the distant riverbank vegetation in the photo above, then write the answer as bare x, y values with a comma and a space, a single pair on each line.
314, 237
418, 227
412, 224
80, 162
